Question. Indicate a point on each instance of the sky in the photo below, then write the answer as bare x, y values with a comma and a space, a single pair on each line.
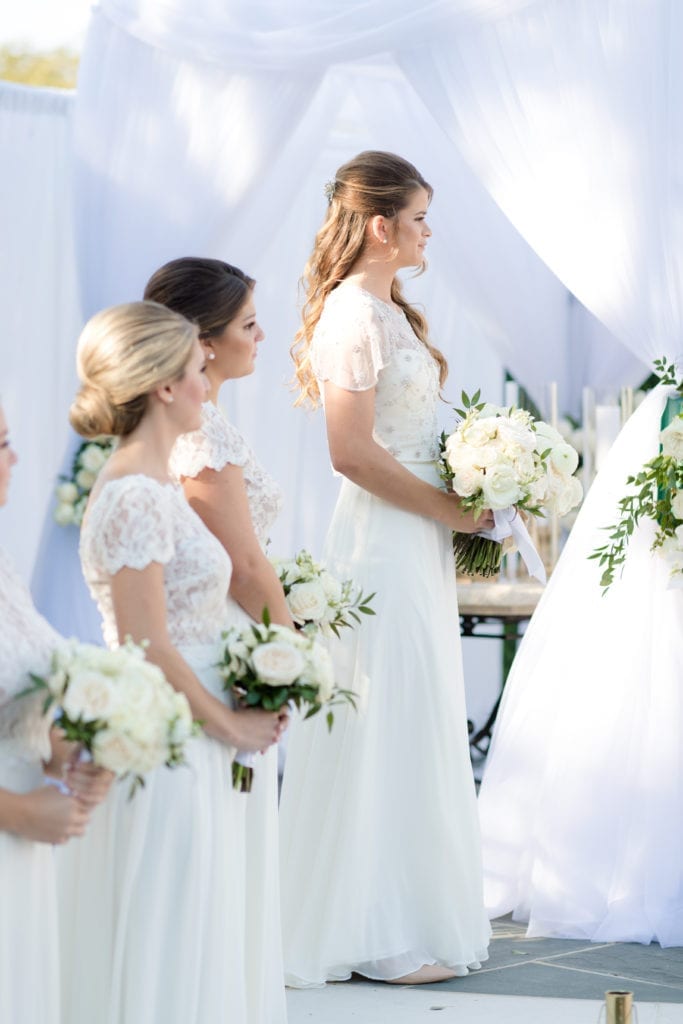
44, 24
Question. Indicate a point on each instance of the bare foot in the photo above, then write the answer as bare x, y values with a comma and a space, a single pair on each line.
428, 974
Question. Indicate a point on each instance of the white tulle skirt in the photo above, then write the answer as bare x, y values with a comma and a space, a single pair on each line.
582, 799
153, 905
380, 849
29, 949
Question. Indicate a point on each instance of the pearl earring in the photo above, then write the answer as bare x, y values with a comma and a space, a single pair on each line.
384, 240
210, 355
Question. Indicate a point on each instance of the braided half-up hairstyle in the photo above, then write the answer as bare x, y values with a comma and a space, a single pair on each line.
372, 184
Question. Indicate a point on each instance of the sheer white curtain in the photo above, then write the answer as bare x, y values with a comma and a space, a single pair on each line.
38, 296
569, 115
209, 128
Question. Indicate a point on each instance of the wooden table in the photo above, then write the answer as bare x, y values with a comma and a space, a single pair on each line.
484, 602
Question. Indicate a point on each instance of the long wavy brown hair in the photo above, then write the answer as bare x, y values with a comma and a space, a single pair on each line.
372, 184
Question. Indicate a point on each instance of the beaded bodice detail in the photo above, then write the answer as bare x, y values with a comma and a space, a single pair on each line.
218, 443
135, 521
361, 342
26, 645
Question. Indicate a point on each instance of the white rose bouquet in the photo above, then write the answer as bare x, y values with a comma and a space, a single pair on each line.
317, 600
656, 493
268, 666
118, 706
72, 492
497, 458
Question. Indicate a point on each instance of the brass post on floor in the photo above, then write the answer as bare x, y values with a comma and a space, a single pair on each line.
619, 1006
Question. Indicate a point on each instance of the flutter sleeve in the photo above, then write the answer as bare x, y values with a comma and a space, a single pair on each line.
134, 525
216, 444
351, 343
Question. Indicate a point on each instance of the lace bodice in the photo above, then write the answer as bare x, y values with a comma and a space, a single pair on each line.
136, 520
218, 443
361, 342
26, 644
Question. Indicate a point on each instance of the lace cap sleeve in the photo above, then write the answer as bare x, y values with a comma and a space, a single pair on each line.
351, 343
215, 445
131, 525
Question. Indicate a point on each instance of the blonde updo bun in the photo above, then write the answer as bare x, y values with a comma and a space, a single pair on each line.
123, 354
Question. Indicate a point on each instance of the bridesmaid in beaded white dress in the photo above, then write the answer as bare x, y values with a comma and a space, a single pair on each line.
158, 927
32, 815
239, 502
386, 800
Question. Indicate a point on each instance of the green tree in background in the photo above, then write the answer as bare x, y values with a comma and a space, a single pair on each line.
57, 68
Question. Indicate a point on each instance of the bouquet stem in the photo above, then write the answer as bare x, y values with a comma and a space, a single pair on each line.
476, 556
242, 777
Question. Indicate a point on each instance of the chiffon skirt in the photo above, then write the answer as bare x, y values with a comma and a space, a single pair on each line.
153, 899
380, 849
582, 799
29, 951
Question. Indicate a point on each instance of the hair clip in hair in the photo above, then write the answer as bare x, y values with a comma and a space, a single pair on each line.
329, 190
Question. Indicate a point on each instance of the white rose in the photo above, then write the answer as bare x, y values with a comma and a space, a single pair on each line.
331, 586
522, 417
564, 459
672, 439
79, 510
500, 487
277, 664
181, 729
525, 468
307, 601
515, 433
238, 649
93, 458
90, 695
56, 682
546, 436
467, 481
460, 455
115, 751
67, 493
479, 432
320, 671
85, 479
677, 505
565, 493
64, 514
538, 490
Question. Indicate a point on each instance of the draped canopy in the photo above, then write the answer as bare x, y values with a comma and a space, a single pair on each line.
550, 132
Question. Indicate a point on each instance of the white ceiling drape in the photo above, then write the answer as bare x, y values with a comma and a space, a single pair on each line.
569, 114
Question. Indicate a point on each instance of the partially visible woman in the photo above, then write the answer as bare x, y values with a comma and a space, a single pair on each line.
387, 798
33, 815
239, 502
158, 931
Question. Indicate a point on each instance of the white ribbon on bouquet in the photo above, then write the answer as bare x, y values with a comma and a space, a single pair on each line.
509, 523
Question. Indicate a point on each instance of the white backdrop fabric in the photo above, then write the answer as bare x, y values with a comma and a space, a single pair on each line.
209, 129
39, 299
568, 115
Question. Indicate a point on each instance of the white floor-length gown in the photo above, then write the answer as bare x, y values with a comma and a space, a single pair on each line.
218, 443
381, 860
581, 802
155, 926
29, 951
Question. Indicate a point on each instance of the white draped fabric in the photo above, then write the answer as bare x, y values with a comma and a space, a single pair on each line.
568, 115
39, 300
209, 129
